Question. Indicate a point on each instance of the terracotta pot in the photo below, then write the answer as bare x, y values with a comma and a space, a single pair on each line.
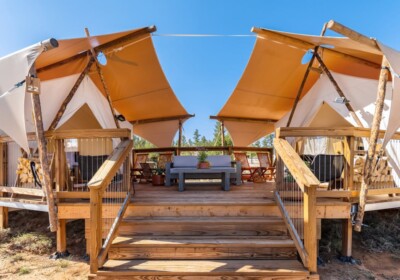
203, 165
157, 180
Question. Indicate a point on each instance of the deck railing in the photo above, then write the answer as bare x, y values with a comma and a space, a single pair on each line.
296, 197
347, 147
74, 157
110, 188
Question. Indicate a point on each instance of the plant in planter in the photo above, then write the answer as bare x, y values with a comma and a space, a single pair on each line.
157, 179
202, 158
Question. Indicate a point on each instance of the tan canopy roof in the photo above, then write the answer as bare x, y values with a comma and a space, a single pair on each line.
271, 80
137, 85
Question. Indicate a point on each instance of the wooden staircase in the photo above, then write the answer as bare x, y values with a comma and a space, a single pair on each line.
190, 236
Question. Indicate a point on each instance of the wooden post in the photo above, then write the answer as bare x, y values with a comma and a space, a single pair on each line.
71, 94
61, 236
338, 89
370, 160
33, 87
179, 138
310, 226
347, 237
60, 166
95, 227
103, 82
349, 167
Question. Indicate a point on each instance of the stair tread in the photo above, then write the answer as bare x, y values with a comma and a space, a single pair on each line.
204, 267
189, 219
195, 241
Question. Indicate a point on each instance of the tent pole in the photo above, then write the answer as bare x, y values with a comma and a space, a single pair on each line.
309, 67
179, 138
33, 87
103, 82
71, 94
370, 160
222, 133
338, 89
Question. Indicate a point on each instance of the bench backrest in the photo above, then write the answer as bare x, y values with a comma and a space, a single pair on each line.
191, 161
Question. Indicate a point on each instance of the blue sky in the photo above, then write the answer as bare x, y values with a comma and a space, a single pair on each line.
203, 71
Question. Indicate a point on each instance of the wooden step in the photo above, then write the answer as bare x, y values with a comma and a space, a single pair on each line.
216, 226
201, 248
202, 208
202, 270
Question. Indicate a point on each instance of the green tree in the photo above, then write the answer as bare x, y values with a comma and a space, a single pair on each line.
196, 137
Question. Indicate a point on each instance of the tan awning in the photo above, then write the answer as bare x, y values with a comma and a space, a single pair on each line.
270, 82
138, 87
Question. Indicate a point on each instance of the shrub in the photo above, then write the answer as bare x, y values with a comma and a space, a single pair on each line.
32, 242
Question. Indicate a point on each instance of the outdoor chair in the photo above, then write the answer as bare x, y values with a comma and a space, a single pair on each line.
146, 173
328, 168
87, 167
137, 170
247, 171
266, 167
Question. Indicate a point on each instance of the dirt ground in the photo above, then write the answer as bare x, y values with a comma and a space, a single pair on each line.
376, 249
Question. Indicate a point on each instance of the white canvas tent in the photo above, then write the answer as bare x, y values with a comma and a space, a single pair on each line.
319, 109
137, 86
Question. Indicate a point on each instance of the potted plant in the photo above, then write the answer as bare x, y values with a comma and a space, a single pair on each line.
202, 158
157, 179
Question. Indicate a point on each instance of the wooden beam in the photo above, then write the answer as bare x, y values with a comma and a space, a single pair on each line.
347, 237
23, 191
42, 147
61, 236
241, 119
351, 34
93, 54
310, 226
338, 90
271, 35
370, 161
125, 39
71, 94
3, 163
162, 119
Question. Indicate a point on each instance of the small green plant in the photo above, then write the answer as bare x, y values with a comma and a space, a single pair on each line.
5, 235
64, 263
159, 171
202, 156
24, 270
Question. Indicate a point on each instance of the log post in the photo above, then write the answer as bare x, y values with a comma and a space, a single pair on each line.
347, 237
370, 160
103, 82
33, 87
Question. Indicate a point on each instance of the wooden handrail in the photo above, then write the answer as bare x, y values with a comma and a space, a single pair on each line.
97, 186
299, 170
308, 184
201, 148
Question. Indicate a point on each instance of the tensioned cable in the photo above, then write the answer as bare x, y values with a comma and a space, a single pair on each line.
204, 35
